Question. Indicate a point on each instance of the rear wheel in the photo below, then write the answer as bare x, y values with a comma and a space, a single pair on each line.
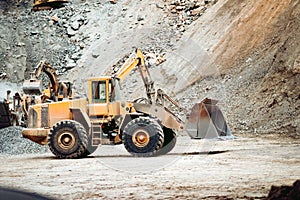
143, 137
169, 141
68, 139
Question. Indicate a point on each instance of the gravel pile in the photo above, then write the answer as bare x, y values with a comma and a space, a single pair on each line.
12, 143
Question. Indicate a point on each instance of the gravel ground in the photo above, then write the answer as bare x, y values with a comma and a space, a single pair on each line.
244, 168
12, 143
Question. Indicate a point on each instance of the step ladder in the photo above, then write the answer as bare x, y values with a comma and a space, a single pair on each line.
98, 136
96, 133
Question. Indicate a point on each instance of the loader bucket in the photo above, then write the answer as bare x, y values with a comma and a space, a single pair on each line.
207, 121
32, 87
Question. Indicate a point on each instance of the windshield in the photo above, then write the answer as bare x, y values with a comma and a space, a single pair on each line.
98, 92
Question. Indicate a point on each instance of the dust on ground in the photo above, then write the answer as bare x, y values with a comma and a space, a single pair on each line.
244, 168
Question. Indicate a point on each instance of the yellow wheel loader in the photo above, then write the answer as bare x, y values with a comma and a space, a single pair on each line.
14, 111
47, 4
74, 127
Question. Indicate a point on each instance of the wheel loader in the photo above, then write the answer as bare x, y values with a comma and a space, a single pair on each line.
75, 127
14, 111
47, 4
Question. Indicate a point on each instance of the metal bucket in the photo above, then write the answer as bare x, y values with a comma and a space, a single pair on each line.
207, 121
32, 87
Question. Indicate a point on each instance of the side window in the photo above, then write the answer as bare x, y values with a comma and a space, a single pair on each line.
99, 91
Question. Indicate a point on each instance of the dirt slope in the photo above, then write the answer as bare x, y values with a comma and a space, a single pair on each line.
248, 54
228, 33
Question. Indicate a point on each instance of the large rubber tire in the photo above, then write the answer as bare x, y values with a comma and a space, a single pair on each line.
143, 137
169, 141
90, 148
68, 139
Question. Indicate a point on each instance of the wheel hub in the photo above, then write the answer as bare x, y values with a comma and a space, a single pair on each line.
140, 138
66, 140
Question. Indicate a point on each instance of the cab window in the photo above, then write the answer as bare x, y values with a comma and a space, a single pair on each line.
99, 91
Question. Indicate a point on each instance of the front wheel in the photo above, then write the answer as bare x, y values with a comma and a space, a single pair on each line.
169, 141
90, 148
143, 137
68, 139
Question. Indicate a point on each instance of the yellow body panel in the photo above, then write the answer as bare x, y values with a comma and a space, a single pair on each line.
100, 109
78, 103
114, 108
59, 111
56, 111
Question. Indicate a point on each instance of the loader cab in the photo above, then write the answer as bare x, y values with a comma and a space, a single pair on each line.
101, 93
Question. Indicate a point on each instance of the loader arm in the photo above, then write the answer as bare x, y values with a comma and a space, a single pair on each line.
45, 67
158, 97
57, 89
138, 60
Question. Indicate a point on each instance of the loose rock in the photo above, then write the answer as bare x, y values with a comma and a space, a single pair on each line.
12, 143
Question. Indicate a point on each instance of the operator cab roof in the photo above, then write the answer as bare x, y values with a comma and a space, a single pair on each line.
100, 78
